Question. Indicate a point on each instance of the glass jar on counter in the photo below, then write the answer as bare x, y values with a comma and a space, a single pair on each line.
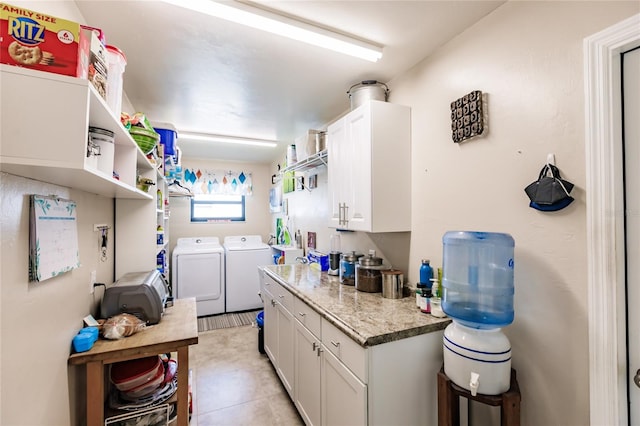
369, 273
348, 262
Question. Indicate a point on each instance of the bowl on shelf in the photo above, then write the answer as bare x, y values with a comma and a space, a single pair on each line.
146, 139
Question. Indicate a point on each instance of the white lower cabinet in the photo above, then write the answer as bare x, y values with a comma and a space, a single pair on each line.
285, 348
326, 391
334, 381
279, 330
307, 375
344, 397
270, 323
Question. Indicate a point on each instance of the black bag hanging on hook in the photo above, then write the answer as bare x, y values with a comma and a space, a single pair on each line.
549, 192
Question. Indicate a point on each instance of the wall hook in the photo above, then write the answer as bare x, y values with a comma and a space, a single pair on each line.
551, 159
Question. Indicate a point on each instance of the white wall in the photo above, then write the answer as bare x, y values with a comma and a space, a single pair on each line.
527, 57
257, 206
39, 320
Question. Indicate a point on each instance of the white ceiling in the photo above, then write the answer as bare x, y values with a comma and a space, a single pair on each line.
208, 75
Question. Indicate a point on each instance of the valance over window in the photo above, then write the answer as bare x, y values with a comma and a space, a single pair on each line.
219, 182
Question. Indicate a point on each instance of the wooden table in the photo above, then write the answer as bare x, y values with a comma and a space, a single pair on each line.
174, 333
449, 401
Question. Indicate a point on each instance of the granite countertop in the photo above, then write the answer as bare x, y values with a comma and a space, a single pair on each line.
368, 318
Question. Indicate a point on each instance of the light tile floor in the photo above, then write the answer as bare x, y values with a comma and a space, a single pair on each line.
234, 384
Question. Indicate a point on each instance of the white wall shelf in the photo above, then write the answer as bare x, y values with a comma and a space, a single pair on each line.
45, 128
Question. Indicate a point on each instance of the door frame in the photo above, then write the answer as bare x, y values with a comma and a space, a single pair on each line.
605, 221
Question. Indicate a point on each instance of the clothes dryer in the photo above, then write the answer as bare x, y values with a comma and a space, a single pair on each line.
243, 255
198, 270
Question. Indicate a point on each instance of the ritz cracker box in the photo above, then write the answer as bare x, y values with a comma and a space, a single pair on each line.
46, 43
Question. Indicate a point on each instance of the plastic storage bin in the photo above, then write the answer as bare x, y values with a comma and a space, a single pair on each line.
117, 63
478, 278
260, 323
168, 140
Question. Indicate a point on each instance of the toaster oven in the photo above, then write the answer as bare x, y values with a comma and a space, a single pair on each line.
143, 294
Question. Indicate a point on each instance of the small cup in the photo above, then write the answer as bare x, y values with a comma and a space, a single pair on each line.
436, 308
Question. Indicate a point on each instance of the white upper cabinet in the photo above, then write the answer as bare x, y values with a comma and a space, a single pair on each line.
369, 169
44, 134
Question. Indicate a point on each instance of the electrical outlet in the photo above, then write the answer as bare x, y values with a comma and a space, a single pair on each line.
93, 280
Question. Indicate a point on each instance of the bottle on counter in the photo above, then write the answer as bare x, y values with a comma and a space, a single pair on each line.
426, 273
298, 239
425, 302
436, 299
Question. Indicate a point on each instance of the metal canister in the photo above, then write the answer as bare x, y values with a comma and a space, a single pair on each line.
348, 263
392, 284
369, 274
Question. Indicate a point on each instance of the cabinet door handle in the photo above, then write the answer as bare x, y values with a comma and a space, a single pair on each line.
302, 314
315, 346
336, 344
281, 296
346, 215
318, 351
273, 302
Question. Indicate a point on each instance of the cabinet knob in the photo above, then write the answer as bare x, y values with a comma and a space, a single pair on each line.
302, 314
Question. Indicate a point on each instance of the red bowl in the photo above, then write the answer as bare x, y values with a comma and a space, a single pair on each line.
130, 374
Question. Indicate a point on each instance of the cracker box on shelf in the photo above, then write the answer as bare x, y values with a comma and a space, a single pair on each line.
47, 43
38, 41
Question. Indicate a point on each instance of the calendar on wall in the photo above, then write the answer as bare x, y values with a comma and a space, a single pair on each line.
53, 237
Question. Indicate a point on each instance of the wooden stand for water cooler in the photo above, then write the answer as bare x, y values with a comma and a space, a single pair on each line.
449, 402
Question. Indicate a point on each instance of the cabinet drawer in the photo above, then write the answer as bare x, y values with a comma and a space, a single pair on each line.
345, 349
307, 316
268, 283
274, 290
282, 296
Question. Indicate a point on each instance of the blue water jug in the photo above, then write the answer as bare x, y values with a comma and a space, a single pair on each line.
478, 278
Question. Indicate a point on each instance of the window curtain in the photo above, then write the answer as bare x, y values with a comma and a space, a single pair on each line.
218, 182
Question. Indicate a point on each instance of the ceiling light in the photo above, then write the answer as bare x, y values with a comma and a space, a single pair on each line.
284, 26
207, 137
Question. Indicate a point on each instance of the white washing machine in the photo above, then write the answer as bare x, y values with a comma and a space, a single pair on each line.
243, 255
198, 271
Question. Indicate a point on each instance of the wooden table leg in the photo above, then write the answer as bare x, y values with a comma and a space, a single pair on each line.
183, 386
448, 402
95, 394
510, 410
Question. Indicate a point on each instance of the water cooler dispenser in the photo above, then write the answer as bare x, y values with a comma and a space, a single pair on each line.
478, 296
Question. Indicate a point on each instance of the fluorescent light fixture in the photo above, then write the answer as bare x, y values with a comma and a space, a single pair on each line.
207, 137
277, 24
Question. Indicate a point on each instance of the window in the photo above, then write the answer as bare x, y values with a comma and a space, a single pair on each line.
211, 208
